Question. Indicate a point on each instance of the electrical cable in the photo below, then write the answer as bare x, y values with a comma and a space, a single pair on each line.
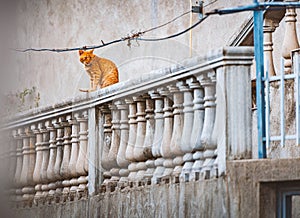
69, 49
128, 38
165, 24
137, 36
208, 4
174, 35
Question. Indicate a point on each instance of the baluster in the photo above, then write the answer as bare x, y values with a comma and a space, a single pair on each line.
188, 117
148, 142
37, 178
269, 27
7, 142
45, 151
167, 133
52, 160
81, 165
106, 142
209, 84
12, 165
197, 129
131, 138
290, 41
74, 155
115, 143
18, 137
138, 151
86, 157
28, 165
158, 134
25, 162
32, 161
59, 126
121, 160
64, 169
177, 128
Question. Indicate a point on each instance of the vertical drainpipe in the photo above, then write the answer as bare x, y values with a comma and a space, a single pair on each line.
260, 96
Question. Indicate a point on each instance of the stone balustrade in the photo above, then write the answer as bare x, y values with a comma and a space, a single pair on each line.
289, 42
49, 159
173, 125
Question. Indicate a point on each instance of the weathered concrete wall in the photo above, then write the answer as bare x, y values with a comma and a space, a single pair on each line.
254, 184
194, 199
70, 209
249, 189
60, 24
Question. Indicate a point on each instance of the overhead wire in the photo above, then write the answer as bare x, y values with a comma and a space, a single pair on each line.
210, 3
137, 35
69, 49
165, 24
180, 33
174, 35
134, 36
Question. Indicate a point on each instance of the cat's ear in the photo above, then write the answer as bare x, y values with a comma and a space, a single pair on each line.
80, 52
91, 51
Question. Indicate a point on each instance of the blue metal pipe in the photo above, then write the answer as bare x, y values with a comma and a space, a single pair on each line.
256, 6
260, 96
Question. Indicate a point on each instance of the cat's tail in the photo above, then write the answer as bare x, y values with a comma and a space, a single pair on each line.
85, 90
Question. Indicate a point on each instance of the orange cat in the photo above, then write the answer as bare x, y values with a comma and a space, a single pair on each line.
102, 72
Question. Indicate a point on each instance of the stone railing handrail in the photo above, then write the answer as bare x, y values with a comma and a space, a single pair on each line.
179, 123
214, 59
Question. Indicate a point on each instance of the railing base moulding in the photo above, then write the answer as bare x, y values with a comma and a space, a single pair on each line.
176, 124
71, 197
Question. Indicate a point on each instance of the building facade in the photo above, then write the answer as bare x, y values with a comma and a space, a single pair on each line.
176, 137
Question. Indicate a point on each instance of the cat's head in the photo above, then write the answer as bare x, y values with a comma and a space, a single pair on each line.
86, 56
